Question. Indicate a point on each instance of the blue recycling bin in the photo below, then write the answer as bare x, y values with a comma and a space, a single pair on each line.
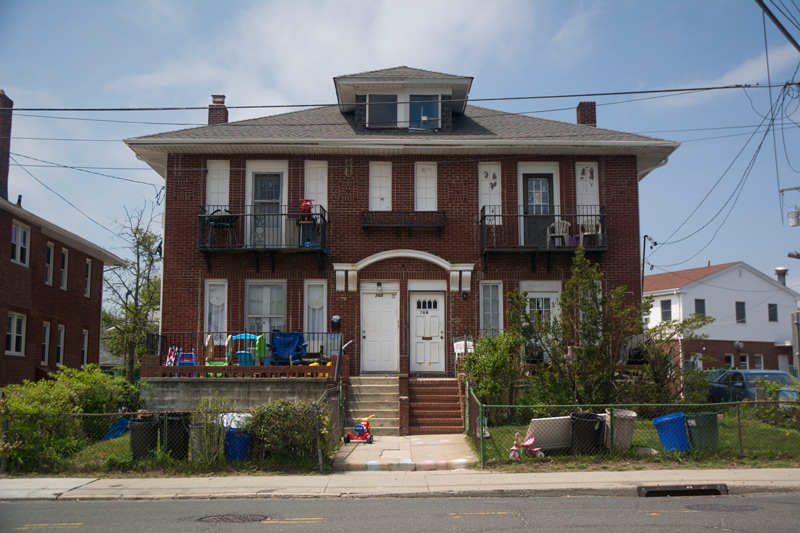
237, 445
672, 433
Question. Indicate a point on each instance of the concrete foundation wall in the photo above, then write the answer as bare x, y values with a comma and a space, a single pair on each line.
182, 394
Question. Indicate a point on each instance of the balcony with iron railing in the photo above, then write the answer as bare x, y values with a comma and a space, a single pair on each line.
261, 228
548, 229
404, 220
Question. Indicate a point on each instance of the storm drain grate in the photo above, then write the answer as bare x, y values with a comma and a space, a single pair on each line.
722, 508
233, 518
683, 490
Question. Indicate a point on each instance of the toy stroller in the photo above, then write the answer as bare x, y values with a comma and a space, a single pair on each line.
363, 431
513, 453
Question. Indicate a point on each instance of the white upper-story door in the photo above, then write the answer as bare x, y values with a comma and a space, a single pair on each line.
427, 321
380, 329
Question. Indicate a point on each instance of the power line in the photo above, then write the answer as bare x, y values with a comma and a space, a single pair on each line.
498, 99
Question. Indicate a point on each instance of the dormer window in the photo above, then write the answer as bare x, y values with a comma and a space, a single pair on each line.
424, 112
382, 111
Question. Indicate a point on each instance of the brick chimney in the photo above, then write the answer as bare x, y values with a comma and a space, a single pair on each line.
5, 141
587, 115
217, 112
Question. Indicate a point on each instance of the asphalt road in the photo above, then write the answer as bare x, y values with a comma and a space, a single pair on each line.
757, 513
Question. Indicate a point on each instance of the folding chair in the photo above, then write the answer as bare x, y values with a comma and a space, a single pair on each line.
287, 347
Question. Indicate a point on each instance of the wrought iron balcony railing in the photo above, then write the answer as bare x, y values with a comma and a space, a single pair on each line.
542, 228
261, 227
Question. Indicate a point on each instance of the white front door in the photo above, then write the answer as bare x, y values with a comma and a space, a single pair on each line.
426, 313
380, 313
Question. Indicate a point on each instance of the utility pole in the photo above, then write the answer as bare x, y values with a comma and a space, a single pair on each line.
778, 24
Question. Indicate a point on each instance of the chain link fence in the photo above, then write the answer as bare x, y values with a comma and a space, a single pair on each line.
201, 440
768, 429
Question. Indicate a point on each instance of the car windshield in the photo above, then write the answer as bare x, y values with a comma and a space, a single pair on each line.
783, 379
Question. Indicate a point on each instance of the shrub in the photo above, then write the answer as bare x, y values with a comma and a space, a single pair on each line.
207, 432
285, 428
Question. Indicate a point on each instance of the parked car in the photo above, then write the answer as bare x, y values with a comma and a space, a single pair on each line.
736, 385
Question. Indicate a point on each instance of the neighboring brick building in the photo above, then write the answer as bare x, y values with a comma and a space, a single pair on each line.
51, 286
752, 314
427, 212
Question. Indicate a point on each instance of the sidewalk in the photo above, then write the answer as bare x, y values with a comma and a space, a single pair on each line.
440, 483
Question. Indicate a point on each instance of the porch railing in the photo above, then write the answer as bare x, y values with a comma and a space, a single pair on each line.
554, 228
261, 227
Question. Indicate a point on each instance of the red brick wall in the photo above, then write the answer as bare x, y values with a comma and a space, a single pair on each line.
715, 350
348, 177
25, 292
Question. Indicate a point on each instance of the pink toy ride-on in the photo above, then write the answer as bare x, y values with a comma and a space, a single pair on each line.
513, 453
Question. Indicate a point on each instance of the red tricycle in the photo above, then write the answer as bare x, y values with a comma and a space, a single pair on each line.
363, 431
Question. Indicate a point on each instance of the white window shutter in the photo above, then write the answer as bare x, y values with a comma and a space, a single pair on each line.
316, 183
380, 186
218, 183
425, 187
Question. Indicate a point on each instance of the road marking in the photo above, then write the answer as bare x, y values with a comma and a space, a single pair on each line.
64, 525
459, 515
293, 521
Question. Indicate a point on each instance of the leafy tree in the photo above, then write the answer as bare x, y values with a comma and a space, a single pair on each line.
134, 289
494, 368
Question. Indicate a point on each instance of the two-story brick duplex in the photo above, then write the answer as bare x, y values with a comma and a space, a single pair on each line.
51, 286
752, 313
427, 212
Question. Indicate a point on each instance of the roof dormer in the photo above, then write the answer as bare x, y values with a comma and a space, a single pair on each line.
403, 98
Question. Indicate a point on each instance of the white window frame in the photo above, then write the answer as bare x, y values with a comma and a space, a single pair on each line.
20, 243
315, 183
64, 268
493, 198
315, 343
87, 287
758, 362
85, 347
438, 101
380, 193
542, 289
499, 285
536, 167
218, 179
60, 339
661, 303
418, 200
727, 361
253, 283
253, 167
49, 258
17, 325
743, 359
218, 339
45, 355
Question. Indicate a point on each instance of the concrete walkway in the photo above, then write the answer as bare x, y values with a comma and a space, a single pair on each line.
437, 483
409, 454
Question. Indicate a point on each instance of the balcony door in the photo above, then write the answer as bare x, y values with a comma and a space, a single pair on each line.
538, 207
267, 219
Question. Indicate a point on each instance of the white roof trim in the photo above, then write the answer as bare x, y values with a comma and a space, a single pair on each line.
409, 254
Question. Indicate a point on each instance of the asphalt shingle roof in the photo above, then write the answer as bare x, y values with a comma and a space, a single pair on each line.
402, 72
677, 279
328, 123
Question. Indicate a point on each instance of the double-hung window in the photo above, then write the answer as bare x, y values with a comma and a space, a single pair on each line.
15, 334
424, 112
315, 315
84, 347
758, 362
699, 307
20, 235
45, 343
265, 306
216, 312
64, 268
382, 111
772, 312
491, 307
60, 345
49, 257
741, 313
543, 297
666, 310
87, 279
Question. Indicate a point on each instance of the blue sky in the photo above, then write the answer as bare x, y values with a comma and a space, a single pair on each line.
161, 53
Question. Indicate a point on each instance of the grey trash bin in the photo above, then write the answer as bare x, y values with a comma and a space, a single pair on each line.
624, 422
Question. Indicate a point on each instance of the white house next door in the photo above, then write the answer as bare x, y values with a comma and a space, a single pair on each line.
426, 314
380, 313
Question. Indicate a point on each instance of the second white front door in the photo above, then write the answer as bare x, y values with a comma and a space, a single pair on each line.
380, 313
426, 317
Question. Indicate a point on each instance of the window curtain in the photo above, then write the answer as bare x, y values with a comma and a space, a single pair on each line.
315, 316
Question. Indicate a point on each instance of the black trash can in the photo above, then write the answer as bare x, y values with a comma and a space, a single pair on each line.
175, 435
587, 433
144, 437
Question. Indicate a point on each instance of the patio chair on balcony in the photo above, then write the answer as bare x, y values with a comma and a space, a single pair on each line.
287, 347
558, 230
591, 227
